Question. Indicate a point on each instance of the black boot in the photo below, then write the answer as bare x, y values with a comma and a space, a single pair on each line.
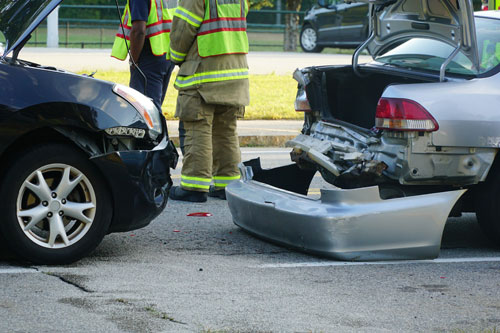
177, 193
214, 193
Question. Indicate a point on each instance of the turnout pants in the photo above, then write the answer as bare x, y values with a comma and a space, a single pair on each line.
211, 147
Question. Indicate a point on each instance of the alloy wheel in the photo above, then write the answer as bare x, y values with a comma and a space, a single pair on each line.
56, 206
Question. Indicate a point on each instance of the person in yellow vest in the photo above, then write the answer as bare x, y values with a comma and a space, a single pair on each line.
146, 26
209, 42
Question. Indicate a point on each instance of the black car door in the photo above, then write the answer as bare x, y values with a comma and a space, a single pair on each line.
354, 22
329, 23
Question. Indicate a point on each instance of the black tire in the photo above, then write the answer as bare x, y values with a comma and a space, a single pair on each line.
309, 39
487, 203
60, 237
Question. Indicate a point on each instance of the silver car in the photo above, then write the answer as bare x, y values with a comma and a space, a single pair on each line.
406, 140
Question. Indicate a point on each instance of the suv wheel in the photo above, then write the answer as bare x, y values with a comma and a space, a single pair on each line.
309, 39
55, 205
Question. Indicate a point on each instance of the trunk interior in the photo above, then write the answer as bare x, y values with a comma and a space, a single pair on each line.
339, 94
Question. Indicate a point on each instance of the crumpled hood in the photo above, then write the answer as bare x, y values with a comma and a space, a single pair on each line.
19, 18
449, 21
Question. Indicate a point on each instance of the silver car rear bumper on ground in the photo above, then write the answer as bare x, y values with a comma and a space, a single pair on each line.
343, 224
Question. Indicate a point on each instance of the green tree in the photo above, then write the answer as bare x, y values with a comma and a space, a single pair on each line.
292, 20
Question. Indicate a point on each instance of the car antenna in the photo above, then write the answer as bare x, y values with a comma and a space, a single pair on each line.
128, 49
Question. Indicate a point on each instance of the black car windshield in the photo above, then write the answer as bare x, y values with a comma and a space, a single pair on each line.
429, 54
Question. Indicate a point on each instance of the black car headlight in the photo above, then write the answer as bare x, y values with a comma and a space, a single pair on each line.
144, 106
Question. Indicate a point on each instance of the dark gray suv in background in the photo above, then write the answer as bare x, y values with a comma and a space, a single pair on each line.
333, 23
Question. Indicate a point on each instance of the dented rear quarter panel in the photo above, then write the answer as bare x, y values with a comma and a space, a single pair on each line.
467, 111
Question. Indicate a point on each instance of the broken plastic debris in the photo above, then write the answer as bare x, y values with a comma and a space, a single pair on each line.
200, 214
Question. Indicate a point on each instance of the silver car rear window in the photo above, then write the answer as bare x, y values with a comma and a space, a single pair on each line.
429, 54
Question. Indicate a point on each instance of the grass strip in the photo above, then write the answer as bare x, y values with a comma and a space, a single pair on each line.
271, 96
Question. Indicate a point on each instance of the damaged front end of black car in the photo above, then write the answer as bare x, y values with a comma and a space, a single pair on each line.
80, 157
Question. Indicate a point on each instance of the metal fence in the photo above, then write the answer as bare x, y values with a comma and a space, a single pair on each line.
265, 27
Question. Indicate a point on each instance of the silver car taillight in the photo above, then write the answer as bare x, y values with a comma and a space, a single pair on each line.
403, 115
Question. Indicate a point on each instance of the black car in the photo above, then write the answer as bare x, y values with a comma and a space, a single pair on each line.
333, 23
80, 157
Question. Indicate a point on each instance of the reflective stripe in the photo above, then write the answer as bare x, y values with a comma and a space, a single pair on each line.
187, 16
158, 28
151, 30
213, 9
223, 24
244, 10
228, 2
224, 181
230, 74
195, 182
124, 25
126, 18
170, 4
159, 7
120, 32
177, 56
227, 178
206, 187
223, 30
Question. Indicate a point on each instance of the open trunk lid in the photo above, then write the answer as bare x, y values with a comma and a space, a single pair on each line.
448, 21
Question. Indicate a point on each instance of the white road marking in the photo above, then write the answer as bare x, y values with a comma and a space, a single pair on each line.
17, 270
395, 262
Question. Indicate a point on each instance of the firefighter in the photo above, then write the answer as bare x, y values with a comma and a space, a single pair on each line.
209, 43
146, 25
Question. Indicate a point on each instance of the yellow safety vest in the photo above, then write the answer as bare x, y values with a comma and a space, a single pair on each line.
222, 31
224, 28
158, 29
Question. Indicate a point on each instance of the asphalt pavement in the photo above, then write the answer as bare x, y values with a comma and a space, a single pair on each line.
204, 274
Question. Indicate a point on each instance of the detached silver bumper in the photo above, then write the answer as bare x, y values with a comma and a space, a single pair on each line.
342, 224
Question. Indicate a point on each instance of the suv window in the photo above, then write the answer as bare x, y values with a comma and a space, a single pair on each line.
429, 54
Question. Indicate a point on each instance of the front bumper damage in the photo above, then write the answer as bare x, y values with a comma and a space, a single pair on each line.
353, 224
139, 181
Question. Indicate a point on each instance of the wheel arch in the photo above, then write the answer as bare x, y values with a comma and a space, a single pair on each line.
307, 24
76, 137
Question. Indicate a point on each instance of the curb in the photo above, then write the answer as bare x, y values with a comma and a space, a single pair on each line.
256, 141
